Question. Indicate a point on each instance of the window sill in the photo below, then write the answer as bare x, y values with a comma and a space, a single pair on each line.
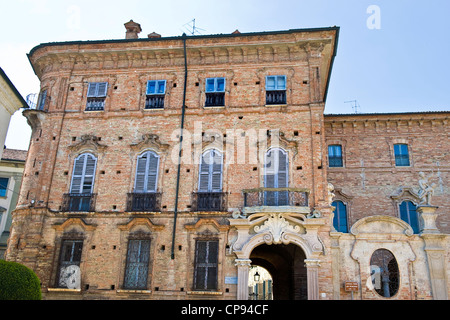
213, 107
63, 290
127, 291
276, 105
205, 293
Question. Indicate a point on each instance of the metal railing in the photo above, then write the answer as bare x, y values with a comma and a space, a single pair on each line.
216, 99
276, 97
208, 201
275, 197
79, 202
154, 102
140, 202
95, 104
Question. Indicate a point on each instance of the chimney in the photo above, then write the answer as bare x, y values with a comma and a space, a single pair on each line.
154, 35
133, 29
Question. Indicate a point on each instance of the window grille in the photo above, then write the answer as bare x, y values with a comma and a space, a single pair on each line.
136, 271
206, 263
384, 273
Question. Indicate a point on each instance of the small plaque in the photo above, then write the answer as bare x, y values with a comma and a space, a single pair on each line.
231, 280
351, 286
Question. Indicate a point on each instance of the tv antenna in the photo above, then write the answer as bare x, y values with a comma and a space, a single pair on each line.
356, 107
192, 28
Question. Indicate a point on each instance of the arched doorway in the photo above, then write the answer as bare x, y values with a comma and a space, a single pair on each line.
286, 264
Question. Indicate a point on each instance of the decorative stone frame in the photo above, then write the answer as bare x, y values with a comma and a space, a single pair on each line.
142, 229
206, 229
339, 195
70, 229
275, 228
404, 194
370, 234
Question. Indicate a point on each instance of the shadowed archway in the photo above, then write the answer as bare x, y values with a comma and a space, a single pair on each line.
286, 264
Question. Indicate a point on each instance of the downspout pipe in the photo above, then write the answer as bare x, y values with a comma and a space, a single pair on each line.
183, 110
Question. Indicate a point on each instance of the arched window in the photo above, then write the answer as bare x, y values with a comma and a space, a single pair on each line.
83, 174
408, 214
147, 173
276, 175
384, 273
210, 175
340, 216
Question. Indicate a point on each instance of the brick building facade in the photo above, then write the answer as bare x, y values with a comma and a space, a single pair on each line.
113, 206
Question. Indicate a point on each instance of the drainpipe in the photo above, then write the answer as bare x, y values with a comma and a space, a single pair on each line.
183, 37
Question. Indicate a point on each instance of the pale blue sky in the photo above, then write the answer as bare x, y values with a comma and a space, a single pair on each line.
402, 66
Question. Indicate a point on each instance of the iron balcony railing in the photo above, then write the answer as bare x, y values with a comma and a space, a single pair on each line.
216, 99
209, 201
79, 202
95, 104
276, 97
275, 197
154, 102
141, 202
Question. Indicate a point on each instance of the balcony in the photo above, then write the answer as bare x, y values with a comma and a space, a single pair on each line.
76, 202
154, 102
208, 201
216, 99
144, 202
95, 104
275, 97
269, 199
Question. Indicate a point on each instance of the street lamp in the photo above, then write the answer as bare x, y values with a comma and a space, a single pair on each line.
256, 276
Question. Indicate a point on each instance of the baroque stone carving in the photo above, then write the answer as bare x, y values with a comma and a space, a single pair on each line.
315, 214
276, 225
151, 141
331, 194
426, 190
88, 142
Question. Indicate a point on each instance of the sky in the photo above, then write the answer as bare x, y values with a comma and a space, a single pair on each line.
392, 55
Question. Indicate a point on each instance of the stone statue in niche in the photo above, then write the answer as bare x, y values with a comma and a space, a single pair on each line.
426, 190
331, 194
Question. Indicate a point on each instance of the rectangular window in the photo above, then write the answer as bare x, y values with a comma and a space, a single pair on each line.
69, 264
275, 90
96, 96
401, 155
136, 271
335, 156
206, 264
215, 92
155, 93
41, 101
3, 186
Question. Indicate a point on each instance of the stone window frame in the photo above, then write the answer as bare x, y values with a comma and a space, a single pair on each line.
71, 229
347, 200
402, 195
206, 229
202, 76
137, 229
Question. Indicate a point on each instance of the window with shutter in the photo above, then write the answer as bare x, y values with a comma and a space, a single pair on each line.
206, 264
210, 176
96, 96
275, 90
408, 213
83, 174
215, 92
340, 216
155, 94
401, 155
335, 156
147, 172
276, 176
